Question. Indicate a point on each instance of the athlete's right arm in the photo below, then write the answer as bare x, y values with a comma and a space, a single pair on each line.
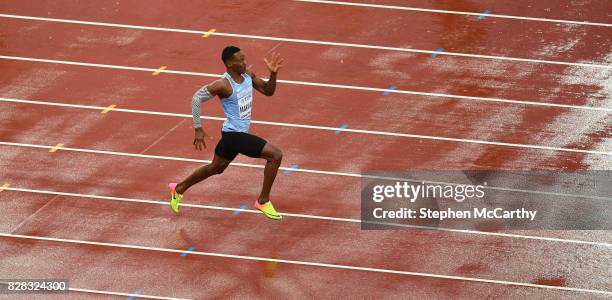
205, 93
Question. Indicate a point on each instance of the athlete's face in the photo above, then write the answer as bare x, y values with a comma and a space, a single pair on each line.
238, 62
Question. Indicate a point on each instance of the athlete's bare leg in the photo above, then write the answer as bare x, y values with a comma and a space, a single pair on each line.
217, 166
274, 157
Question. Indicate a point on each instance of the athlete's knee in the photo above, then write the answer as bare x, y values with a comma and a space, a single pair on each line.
272, 154
277, 155
216, 169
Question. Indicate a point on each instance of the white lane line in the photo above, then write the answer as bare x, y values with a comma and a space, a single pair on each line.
80, 290
317, 84
311, 264
310, 171
315, 42
123, 294
353, 130
316, 217
442, 11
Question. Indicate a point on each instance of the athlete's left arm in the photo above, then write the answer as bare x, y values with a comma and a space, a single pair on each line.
268, 87
265, 87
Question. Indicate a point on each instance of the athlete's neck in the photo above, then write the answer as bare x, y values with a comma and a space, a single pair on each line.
237, 77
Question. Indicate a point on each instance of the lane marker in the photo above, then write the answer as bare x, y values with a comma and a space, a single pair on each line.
438, 51
388, 90
455, 12
55, 148
315, 42
135, 294
484, 14
108, 108
342, 127
239, 210
290, 169
208, 33
316, 217
4, 187
189, 250
270, 268
159, 70
350, 87
311, 264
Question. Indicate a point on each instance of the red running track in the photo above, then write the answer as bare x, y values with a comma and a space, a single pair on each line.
195, 276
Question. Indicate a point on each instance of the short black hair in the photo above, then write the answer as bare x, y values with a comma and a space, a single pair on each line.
228, 52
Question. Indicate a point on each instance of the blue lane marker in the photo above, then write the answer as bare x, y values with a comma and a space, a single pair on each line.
484, 14
189, 250
433, 55
342, 127
293, 167
237, 212
388, 91
136, 293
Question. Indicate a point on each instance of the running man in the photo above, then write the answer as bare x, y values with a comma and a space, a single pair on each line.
235, 89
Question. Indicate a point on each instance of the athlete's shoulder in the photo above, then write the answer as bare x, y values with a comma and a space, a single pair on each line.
220, 87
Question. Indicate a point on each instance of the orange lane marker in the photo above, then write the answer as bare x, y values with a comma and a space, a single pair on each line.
208, 33
159, 70
4, 187
108, 108
56, 147
269, 268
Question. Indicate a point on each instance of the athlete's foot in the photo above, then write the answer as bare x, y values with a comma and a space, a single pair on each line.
268, 210
175, 197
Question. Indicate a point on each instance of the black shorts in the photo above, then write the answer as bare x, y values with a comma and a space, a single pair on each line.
232, 143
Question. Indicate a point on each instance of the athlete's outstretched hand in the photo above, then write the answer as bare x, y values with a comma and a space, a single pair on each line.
275, 63
198, 141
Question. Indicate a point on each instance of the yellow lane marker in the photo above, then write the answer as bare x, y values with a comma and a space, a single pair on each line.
4, 187
56, 147
208, 33
159, 70
109, 108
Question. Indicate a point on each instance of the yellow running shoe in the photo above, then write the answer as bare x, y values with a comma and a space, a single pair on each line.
268, 210
175, 197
